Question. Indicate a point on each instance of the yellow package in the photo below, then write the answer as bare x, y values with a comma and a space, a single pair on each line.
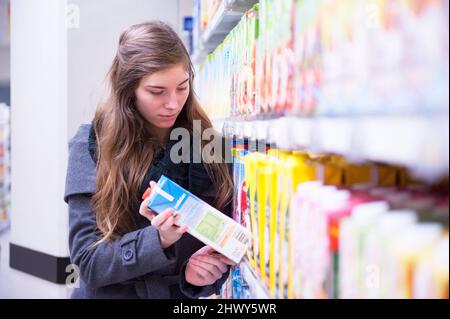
267, 207
262, 195
273, 224
280, 252
251, 184
306, 170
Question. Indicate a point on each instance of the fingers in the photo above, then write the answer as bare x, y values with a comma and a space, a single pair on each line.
149, 190
182, 229
212, 270
161, 218
213, 261
145, 211
205, 250
227, 261
166, 221
177, 218
167, 224
207, 277
145, 202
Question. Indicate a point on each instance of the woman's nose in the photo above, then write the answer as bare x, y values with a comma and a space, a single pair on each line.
172, 102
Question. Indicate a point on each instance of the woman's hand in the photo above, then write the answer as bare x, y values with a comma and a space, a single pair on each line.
206, 266
169, 233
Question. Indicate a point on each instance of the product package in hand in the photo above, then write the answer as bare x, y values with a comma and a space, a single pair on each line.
205, 222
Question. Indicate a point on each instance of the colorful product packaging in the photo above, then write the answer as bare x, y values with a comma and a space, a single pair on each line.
205, 222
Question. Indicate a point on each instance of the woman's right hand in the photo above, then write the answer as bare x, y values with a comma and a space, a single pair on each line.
165, 222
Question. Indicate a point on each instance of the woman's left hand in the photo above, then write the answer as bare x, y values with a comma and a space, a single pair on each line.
206, 266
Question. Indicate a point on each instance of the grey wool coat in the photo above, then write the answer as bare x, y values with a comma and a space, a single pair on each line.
134, 266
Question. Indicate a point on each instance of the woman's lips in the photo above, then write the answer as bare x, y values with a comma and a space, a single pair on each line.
168, 117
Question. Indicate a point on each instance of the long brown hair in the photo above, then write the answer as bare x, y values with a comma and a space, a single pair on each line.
125, 144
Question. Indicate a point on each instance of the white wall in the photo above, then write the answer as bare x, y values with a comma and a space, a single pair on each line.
39, 218
92, 47
39, 122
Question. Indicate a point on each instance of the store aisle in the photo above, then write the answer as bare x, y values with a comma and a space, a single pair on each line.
335, 115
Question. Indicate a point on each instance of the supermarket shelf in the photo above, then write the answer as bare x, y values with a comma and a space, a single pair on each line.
419, 142
259, 292
224, 20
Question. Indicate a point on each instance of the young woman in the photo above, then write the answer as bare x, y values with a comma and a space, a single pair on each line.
121, 248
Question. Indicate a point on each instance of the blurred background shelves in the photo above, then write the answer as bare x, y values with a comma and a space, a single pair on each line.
226, 15
418, 142
254, 283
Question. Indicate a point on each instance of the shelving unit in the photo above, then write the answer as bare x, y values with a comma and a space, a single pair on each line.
4, 167
346, 138
224, 20
398, 140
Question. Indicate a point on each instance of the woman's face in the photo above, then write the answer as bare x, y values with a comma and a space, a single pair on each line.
160, 96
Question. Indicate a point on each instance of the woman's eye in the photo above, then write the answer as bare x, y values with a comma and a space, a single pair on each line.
156, 92
182, 89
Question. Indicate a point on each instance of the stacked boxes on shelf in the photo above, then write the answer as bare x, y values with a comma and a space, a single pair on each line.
328, 57
4, 165
324, 227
